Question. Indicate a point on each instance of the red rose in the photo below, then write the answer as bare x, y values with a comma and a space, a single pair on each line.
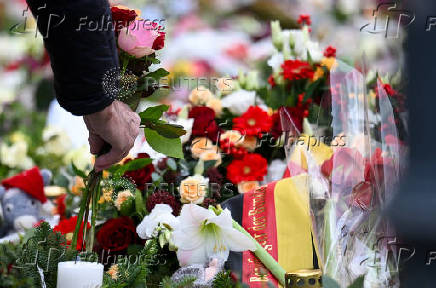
253, 122
121, 17
330, 52
253, 167
362, 195
141, 176
117, 234
379, 170
159, 42
204, 122
296, 69
66, 227
345, 168
290, 118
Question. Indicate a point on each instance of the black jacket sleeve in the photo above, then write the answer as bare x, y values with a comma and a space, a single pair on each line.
80, 40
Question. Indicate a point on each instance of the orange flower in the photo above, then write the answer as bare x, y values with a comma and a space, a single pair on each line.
247, 186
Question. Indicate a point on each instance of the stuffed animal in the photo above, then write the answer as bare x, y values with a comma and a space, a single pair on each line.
23, 201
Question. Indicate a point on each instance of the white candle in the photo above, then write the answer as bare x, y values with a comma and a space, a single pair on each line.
79, 275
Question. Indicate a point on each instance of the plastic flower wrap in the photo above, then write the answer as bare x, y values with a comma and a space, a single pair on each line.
354, 170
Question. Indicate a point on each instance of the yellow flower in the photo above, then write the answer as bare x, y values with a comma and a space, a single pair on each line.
215, 104
113, 271
247, 186
76, 189
122, 197
193, 189
106, 197
319, 73
328, 62
200, 145
200, 96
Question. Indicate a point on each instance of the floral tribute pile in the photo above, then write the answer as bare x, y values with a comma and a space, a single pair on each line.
158, 221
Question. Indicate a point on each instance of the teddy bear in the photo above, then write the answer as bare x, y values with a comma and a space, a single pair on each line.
23, 202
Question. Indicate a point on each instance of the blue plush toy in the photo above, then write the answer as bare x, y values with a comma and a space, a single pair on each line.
23, 201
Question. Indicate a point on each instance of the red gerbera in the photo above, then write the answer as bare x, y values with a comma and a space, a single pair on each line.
121, 17
66, 227
204, 122
304, 19
253, 122
253, 167
330, 52
296, 69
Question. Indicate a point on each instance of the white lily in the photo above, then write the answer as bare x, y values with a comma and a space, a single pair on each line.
160, 217
202, 235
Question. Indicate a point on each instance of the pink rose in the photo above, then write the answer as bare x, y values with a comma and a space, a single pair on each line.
139, 38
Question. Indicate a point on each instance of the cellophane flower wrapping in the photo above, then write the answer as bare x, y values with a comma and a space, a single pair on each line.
354, 170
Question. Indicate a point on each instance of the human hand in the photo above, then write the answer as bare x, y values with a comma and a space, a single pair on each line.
116, 125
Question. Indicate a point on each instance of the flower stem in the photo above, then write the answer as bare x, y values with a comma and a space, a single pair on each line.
95, 198
263, 255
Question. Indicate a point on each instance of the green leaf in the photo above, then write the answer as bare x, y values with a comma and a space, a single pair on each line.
139, 203
358, 283
171, 147
311, 89
78, 172
135, 164
167, 130
153, 113
328, 282
159, 73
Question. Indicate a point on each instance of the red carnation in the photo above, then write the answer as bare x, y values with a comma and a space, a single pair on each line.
163, 197
66, 227
141, 176
296, 69
253, 122
330, 52
253, 167
117, 234
204, 122
121, 17
304, 19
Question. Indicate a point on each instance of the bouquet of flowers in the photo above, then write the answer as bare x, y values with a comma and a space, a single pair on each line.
352, 179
